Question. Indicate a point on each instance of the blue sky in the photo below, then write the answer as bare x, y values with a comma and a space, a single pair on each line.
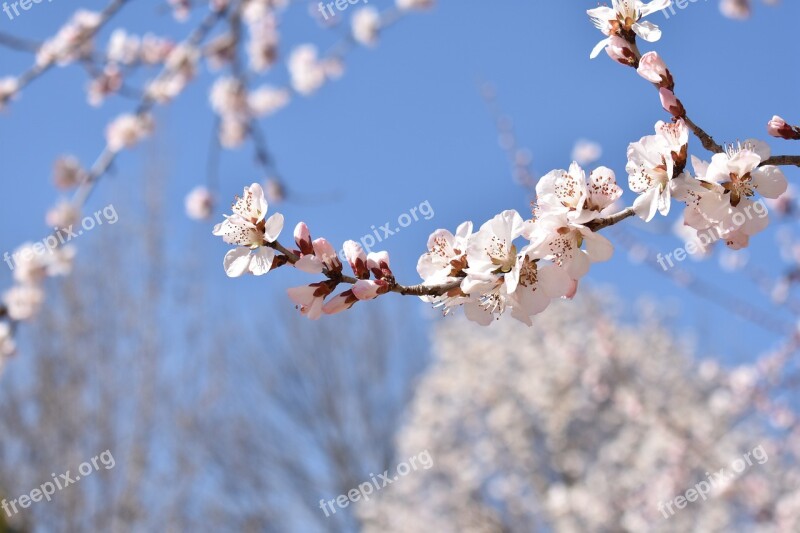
407, 124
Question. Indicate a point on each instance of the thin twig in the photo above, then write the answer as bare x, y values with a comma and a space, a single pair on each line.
708, 142
783, 160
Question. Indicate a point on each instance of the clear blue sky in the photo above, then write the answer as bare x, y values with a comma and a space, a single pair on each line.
407, 125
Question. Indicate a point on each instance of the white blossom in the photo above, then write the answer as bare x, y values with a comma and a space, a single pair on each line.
23, 302
251, 231
127, 130
199, 203
366, 25
652, 164
626, 15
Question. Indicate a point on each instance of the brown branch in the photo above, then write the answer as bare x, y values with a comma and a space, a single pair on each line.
784, 160
600, 223
708, 142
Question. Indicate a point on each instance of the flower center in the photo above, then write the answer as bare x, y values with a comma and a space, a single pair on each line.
739, 186
501, 256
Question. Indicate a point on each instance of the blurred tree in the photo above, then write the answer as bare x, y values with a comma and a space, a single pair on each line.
586, 424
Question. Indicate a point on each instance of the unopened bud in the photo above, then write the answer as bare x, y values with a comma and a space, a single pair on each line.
777, 127
302, 236
671, 103
653, 69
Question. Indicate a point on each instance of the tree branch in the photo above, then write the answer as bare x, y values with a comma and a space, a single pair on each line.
708, 142
784, 160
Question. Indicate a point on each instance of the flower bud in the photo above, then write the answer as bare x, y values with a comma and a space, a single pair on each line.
653, 69
302, 236
378, 263
777, 127
340, 302
325, 252
620, 51
671, 103
367, 289
357, 259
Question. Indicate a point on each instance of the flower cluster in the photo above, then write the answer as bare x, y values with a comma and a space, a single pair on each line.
33, 263
720, 197
128, 130
520, 265
485, 271
72, 41
622, 22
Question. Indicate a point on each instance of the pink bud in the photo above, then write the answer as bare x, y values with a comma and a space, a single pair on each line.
653, 69
378, 263
367, 289
340, 302
357, 259
302, 295
777, 127
310, 298
671, 103
302, 236
325, 253
620, 50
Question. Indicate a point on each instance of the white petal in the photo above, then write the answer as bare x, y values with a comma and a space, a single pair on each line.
554, 281
769, 181
647, 31
759, 147
314, 312
474, 312
664, 201
512, 278
743, 162
646, 204
700, 167
237, 262
528, 303
303, 295
601, 13
598, 247
599, 48
261, 261
260, 205
274, 226
578, 265
654, 6
309, 264
752, 222
464, 230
